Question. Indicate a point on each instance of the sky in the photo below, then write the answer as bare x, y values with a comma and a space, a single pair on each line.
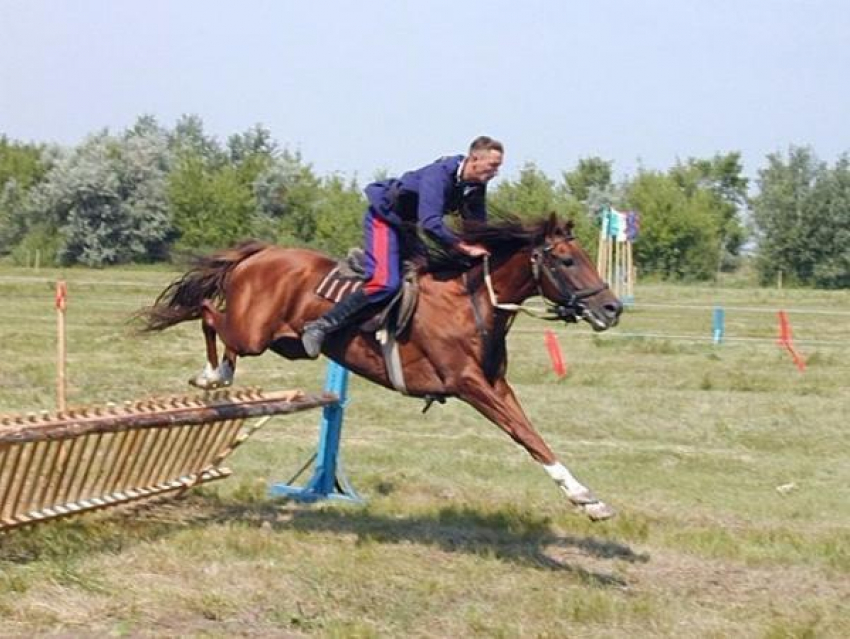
364, 86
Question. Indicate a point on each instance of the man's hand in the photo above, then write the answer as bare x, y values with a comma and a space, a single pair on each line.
472, 250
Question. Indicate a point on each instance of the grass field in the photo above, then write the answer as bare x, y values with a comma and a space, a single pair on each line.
727, 465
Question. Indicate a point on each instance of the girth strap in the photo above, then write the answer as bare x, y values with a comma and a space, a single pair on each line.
392, 359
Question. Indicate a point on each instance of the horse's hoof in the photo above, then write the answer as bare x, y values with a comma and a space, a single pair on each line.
581, 498
587, 503
598, 511
204, 383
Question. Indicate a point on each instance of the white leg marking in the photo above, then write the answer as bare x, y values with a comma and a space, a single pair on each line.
564, 478
211, 378
578, 494
225, 373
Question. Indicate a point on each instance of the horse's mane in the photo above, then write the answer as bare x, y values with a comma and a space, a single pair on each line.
503, 236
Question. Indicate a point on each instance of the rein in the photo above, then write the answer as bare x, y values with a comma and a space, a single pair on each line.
568, 308
510, 306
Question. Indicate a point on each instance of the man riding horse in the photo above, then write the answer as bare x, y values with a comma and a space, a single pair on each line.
423, 196
256, 296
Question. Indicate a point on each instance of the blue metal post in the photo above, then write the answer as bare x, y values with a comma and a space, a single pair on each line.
719, 324
328, 480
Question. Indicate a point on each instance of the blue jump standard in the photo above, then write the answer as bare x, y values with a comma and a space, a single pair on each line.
328, 480
719, 325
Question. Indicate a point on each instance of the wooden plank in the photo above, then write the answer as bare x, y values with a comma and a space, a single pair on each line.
151, 414
111, 500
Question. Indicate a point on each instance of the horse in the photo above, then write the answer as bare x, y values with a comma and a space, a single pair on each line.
257, 296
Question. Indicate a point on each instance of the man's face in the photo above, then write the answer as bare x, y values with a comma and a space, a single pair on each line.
482, 166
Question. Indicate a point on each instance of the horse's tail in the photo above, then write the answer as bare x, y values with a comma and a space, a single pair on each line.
182, 300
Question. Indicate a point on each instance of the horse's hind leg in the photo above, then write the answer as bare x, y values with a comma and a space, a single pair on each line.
212, 346
499, 404
215, 374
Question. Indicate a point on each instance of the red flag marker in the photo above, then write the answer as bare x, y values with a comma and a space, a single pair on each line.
786, 341
555, 356
61, 295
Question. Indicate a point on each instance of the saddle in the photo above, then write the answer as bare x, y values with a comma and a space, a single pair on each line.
349, 275
391, 320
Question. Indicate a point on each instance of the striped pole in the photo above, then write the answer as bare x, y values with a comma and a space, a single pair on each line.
61, 349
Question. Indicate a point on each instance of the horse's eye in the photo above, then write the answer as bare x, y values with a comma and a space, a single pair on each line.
567, 261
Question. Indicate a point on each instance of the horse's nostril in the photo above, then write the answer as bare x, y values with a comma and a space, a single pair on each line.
613, 308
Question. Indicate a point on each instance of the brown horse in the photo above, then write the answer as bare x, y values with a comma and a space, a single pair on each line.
257, 297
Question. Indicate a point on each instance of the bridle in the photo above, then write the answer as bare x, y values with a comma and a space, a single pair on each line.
569, 304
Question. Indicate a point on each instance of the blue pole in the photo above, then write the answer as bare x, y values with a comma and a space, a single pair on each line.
328, 480
719, 324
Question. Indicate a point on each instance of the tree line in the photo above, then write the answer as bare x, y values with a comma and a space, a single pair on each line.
152, 193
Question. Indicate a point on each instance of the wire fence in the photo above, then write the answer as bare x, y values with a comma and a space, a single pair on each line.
41, 314
104, 307
99, 311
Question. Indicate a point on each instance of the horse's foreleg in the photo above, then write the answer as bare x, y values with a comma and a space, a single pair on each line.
499, 404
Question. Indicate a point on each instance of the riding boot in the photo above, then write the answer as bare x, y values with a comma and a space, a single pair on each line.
336, 318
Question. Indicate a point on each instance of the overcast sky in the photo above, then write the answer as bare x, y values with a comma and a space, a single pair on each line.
360, 86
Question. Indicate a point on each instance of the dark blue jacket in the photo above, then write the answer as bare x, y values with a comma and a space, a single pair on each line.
425, 195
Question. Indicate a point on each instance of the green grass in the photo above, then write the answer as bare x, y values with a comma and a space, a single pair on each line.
463, 535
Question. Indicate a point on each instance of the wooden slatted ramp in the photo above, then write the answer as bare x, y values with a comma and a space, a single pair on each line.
59, 464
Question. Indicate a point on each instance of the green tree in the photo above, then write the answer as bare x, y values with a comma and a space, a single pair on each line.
831, 227
21, 166
256, 145
590, 182
679, 231
339, 216
106, 199
534, 194
189, 139
802, 218
288, 199
212, 190
721, 178
211, 207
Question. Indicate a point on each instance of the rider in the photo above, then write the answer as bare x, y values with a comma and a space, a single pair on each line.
424, 196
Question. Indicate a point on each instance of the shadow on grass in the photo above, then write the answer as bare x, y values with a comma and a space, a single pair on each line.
64, 540
506, 534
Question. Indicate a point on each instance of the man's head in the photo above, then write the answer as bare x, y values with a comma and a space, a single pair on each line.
484, 159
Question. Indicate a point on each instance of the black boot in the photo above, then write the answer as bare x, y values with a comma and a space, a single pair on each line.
336, 318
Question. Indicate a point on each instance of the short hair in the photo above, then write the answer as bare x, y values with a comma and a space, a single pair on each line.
485, 143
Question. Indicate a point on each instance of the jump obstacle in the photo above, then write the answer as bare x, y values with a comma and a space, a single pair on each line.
328, 480
614, 261
58, 464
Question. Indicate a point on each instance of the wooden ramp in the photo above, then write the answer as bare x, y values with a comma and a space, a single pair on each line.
59, 464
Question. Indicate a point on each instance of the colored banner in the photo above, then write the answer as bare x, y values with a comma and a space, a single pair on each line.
622, 226
632, 225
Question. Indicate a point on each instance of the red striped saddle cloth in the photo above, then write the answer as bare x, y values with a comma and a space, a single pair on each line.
339, 283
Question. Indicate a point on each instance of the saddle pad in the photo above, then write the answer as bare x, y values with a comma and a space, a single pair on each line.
335, 286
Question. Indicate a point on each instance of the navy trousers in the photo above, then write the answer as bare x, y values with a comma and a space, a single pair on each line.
383, 258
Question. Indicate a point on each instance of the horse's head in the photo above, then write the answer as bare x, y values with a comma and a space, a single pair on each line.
569, 280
